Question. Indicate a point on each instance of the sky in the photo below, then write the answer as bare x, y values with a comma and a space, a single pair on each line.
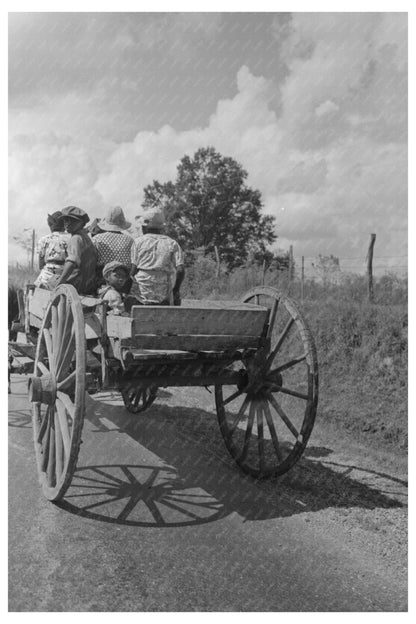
313, 106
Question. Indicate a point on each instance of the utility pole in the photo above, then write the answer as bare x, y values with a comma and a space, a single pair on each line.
302, 280
32, 261
370, 268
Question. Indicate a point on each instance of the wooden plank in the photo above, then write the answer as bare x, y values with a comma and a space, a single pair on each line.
190, 342
166, 321
162, 356
217, 304
119, 326
92, 325
35, 321
38, 302
20, 349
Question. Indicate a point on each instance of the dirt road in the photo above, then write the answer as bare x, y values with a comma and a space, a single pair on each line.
159, 519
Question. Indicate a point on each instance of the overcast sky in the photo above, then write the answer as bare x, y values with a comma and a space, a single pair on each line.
313, 105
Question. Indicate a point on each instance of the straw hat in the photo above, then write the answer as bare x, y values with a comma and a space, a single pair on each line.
114, 221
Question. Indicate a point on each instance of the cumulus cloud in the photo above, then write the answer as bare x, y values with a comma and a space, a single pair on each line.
330, 160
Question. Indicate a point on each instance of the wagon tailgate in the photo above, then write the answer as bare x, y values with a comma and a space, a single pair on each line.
192, 329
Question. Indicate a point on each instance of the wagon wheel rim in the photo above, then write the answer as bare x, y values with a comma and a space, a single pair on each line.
138, 398
267, 425
58, 414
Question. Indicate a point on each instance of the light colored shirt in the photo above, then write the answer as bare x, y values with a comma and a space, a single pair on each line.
53, 247
156, 257
114, 298
113, 246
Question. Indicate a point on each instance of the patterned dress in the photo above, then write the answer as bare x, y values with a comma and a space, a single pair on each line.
156, 257
53, 249
113, 246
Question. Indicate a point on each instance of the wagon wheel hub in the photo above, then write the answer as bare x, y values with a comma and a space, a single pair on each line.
42, 389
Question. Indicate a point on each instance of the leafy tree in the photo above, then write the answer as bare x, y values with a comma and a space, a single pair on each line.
209, 205
279, 261
328, 269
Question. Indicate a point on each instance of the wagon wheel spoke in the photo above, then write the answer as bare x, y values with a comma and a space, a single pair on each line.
64, 427
46, 442
273, 433
66, 323
283, 416
51, 463
289, 364
43, 369
44, 426
294, 393
232, 397
240, 414
138, 398
49, 348
68, 382
67, 403
280, 340
260, 437
59, 447
54, 332
249, 429
67, 357
272, 317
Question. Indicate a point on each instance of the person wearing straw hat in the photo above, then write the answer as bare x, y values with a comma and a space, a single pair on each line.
113, 243
52, 252
157, 263
79, 267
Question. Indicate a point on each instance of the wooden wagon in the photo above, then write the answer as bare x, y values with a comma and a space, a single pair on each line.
258, 354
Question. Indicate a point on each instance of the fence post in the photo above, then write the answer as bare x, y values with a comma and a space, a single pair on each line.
290, 268
218, 262
302, 280
263, 271
370, 268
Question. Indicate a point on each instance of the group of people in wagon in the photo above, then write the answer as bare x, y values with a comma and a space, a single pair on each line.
104, 260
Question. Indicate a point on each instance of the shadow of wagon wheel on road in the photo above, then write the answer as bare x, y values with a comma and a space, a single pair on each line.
198, 482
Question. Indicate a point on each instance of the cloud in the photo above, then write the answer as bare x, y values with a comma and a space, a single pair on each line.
330, 161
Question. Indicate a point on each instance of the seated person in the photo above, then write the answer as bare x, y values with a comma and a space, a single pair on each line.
116, 275
112, 243
157, 263
79, 267
52, 252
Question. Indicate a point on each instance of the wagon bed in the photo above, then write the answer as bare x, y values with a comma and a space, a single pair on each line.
257, 353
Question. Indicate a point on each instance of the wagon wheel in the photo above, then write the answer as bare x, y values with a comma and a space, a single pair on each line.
138, 398
57, 391
267, 420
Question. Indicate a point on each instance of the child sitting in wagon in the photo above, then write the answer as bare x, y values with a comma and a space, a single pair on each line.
116, 275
